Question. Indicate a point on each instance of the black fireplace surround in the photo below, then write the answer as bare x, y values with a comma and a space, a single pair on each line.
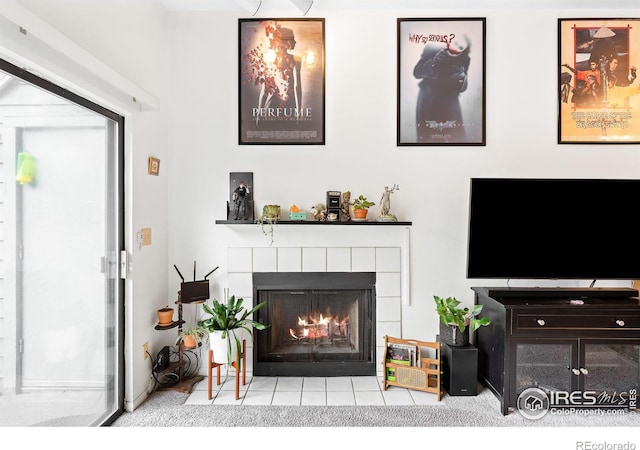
320, 324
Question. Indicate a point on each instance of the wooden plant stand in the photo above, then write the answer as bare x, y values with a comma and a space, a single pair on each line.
241, 361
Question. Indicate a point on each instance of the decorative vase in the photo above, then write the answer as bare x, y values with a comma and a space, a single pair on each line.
165, 316
452, 336
189, 341
220, 346
360, 213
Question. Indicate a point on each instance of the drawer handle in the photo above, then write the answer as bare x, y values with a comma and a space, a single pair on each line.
540, 322
620, 322
584, 371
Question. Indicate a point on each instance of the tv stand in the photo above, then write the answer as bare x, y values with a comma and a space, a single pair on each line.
558, 339
548, 292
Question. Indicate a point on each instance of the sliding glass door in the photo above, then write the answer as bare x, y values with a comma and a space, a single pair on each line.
61, 228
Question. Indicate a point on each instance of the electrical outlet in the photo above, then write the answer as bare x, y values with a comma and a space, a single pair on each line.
145, 347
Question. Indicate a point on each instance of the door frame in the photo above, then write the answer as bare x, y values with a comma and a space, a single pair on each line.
116, 213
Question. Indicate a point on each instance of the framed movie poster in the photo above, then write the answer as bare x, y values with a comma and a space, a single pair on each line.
441, 81
597, 86
240, 203
281, 81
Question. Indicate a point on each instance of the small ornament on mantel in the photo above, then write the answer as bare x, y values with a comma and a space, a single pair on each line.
345, 214
385, 205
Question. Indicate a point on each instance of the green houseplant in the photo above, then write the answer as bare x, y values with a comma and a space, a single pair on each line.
361, 207
455, 322
191, 336
270, 216
223, 321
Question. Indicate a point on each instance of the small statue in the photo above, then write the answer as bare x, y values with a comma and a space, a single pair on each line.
319, 212
240, 201
385, 205
345, 214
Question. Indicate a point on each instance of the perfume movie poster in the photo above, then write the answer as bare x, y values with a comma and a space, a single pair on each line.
597, 83
281, 74
441, 81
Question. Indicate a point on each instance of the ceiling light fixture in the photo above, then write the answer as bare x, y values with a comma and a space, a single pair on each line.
252, 6
302, 5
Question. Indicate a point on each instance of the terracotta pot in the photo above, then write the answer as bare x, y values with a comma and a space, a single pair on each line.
360, 213
165, 316
189, 341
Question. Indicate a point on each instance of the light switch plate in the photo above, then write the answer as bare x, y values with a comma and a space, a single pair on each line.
146, 236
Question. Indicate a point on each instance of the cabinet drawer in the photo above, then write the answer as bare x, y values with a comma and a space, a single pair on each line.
527, 323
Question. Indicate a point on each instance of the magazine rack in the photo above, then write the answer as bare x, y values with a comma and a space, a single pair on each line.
423, 373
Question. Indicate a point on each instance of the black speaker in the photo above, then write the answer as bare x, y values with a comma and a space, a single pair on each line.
460, 367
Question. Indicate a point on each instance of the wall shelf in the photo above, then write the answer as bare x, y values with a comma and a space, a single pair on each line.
314, 222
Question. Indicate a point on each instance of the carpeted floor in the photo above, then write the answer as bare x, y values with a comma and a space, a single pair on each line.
168, 409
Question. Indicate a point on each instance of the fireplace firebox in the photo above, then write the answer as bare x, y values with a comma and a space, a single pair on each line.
321, 324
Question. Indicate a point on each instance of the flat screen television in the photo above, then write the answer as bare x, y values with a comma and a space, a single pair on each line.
584, 229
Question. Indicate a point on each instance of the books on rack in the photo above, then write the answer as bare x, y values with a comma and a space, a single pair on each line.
404, 354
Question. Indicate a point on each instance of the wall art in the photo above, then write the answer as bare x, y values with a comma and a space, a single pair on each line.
597, 86
282, 98
153, 166
441, 81
240, 205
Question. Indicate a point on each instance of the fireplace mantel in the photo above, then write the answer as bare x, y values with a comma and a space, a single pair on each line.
314, 222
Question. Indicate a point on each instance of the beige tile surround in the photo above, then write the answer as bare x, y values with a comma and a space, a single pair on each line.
242, 262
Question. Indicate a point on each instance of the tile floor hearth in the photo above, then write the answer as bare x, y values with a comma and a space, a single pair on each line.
303, 391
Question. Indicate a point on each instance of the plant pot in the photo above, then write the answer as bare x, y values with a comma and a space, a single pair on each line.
452, 336
220, 346
165, 316
360, 213
189, 342
271, 212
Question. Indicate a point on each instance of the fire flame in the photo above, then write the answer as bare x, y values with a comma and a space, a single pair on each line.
322, 327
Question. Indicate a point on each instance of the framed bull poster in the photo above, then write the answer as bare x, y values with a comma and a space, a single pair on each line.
597, 85
441, 82
281, 73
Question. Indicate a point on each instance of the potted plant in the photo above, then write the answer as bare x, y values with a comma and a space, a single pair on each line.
191, 336
270, 216
455, 322
223, 321
361, 207
165, 316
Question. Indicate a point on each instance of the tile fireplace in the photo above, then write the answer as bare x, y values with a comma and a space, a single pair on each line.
384, 263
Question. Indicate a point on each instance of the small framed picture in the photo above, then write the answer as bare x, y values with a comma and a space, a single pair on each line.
441, 81
154, 166
240, 204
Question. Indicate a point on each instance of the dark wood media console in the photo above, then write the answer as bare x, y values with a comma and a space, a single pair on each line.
558, 339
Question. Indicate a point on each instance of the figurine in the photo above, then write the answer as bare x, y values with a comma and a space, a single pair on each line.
240, 201
319, 212
345, 214
385, 205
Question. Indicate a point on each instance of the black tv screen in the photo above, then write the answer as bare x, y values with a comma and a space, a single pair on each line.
554, 229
